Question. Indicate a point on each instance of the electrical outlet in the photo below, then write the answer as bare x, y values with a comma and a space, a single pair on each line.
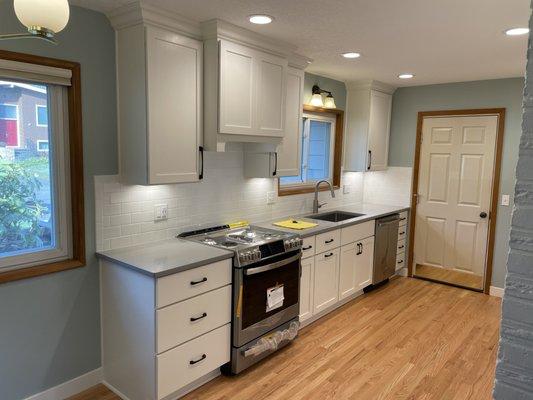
506, 200
160, 212
346, 189
271, 197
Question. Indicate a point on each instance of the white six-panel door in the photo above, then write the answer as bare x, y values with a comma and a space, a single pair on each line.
455, 184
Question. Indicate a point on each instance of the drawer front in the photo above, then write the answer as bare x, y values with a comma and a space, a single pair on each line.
327, 241
402, 233
401, 245
183, 285
308, 247
400, 261
182, 365
357, 232
191, 318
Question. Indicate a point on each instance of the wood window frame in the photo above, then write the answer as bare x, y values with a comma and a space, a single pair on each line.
500, 113
337, 153
76, 170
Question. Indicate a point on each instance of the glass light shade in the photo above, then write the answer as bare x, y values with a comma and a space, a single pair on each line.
316, 100
49, 14
330, 102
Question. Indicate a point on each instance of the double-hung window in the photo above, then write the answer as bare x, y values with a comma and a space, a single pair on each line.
318, 144
39, 164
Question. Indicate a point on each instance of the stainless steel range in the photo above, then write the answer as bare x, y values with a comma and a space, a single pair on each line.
266, 289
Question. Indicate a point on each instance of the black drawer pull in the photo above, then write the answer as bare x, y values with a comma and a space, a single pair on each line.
329, 241
192, 362
401, 247
402, 233
307, 248
403, 219
401, 261
328, 255
200, 317
204, 279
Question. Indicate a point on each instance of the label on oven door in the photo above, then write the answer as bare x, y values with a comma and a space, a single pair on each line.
275, 298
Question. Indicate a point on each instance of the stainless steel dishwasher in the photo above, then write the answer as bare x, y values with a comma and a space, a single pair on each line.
386, 243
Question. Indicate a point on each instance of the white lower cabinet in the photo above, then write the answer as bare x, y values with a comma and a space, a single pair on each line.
332, 273
306, 288
325, 290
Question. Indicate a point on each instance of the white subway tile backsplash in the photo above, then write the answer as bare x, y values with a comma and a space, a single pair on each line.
127, 211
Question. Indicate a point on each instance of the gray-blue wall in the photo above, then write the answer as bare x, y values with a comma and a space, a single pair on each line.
50, 325
514, 370
507, 93
337, 89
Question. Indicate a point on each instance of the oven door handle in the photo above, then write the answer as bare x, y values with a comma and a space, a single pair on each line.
269, 267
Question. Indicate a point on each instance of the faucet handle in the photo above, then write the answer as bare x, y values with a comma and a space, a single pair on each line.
321, 204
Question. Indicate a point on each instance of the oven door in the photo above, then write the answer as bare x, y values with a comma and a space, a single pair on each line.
266, 296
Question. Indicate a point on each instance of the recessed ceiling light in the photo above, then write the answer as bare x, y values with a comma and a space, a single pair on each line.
406, 76
516, 31
260, 19
351, 55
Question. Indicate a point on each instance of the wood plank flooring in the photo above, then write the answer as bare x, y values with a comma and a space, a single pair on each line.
411, 339
450, 276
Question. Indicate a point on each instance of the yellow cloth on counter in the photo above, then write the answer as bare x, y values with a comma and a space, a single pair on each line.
295, 224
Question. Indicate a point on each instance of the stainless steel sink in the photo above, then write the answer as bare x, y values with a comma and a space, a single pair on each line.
334, 216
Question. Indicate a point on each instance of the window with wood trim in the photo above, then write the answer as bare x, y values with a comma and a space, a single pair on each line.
321, 149
41, 178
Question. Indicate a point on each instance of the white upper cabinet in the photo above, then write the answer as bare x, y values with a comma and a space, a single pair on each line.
160, 106
290, 149
237, 89
368, 127
252, 91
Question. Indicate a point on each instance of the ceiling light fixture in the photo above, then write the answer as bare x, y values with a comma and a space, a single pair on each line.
316, 98
351, 55
406, 76
516, 31
42, 18
260, 19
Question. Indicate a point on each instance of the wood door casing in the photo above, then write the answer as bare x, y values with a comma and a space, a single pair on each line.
500, 113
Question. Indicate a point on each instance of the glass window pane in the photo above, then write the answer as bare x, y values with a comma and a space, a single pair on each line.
26, 193
42, 115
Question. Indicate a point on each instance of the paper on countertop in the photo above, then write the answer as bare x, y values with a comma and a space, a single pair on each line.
295, 224
275, 298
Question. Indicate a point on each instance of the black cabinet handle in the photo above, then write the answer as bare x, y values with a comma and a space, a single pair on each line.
328, 255
307, 248
204, 279
275, 164
401, 247
358, 249
403, 219
402, 233
401, 261
201, 149
200, 317
329, 241
192, 362
483, 214
369, 159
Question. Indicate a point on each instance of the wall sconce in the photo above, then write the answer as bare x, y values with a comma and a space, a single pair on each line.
42, 18
316, 98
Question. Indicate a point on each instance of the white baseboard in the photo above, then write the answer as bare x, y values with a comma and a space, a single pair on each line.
496, 291
70, 388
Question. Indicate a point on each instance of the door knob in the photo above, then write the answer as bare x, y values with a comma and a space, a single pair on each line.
483, 214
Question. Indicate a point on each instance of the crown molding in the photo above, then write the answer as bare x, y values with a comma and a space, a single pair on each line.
298, 61
139, 12
368, 84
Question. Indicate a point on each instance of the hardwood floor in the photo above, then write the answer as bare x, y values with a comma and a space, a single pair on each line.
451, 276
411, 339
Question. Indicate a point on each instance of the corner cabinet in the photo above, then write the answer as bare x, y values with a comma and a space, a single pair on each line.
368, 127
160, 106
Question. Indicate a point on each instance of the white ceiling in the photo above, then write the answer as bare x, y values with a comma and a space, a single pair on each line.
437, 40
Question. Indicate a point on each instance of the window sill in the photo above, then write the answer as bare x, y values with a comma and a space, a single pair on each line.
292, 190
44, 269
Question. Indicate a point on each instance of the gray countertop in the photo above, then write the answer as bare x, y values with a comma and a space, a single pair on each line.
165, 258
370, 211
175, 255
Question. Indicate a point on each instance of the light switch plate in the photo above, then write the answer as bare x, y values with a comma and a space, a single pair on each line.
505, 199
271, 197
160, 212
346, 189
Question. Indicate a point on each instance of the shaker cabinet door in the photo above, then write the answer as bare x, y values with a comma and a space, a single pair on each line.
306, 288
326, 280
174, 84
